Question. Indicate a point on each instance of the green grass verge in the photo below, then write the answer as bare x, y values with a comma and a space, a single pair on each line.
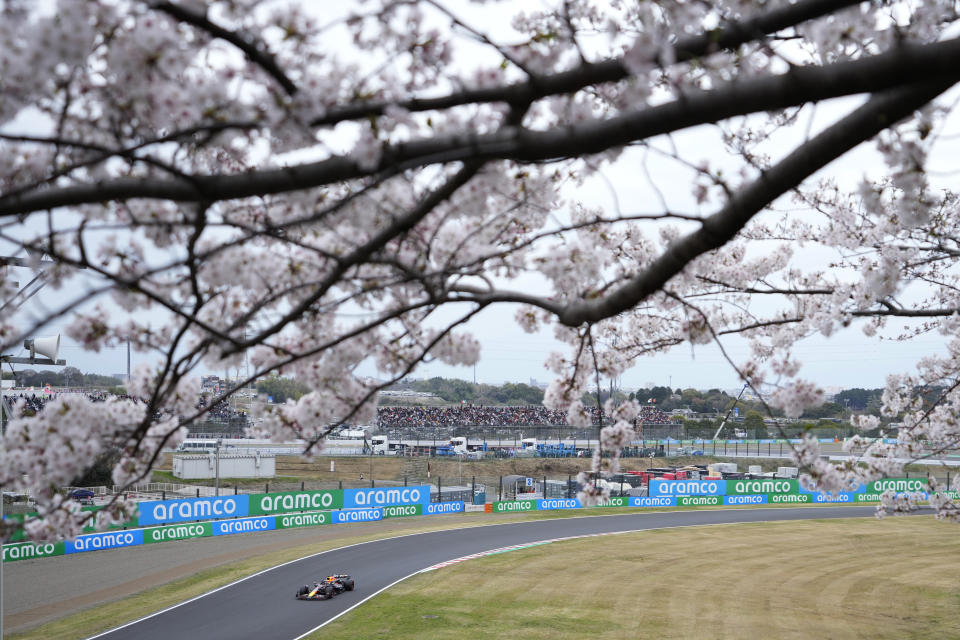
812, 579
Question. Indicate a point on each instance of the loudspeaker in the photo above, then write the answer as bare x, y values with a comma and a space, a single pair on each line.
49, 347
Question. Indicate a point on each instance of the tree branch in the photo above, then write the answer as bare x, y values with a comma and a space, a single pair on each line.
255, 53
727, 37
879, 113
905, 64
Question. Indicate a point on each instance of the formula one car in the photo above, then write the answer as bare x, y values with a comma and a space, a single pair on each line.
327, 588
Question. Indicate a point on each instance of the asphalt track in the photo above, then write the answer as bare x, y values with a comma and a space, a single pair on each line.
263, 606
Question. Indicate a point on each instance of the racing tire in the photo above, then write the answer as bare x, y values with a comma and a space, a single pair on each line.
328, 591
302, 591
348, 585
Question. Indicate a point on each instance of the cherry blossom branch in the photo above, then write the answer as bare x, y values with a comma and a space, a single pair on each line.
254, 51
363, 252
865, 122
727, 37
907, 63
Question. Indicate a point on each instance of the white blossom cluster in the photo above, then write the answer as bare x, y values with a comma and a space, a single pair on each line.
318, 188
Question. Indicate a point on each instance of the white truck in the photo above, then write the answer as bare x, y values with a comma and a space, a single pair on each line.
381, 446
461, 446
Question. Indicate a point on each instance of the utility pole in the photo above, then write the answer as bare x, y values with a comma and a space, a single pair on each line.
217, 450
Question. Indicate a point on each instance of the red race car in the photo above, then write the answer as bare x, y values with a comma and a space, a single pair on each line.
326, 588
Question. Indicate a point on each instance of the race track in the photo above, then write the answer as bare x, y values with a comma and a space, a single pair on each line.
263, 606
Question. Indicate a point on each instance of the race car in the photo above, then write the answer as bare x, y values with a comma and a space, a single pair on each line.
326, 588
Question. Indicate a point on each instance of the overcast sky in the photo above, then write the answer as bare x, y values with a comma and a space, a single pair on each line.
847, 359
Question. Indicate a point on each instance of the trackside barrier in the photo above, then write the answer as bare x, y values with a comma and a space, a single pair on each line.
20, 517
185, 531
266, 504
673, 493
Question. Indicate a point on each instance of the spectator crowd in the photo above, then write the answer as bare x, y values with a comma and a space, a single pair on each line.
470, 415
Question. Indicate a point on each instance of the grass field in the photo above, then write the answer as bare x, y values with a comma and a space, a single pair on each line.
735, 580
896, 578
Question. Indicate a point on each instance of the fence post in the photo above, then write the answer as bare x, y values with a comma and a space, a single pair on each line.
404, 479
544, 487
439, 490
163, 494
267, 490
198, 492
500, 491
569, 486
234, 489
301, 485
340, 484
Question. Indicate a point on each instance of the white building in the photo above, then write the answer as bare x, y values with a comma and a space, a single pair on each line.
232, 465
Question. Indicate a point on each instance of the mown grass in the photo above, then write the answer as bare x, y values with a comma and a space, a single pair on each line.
814, 579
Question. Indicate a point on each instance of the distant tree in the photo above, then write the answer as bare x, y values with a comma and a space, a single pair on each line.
857, 399
282, 389
71, 377
754, 425
101, 472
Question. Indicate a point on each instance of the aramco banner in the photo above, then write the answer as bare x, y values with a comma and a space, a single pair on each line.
167, 511
386, 496
266, 504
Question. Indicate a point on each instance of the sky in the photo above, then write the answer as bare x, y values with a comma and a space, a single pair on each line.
847, 359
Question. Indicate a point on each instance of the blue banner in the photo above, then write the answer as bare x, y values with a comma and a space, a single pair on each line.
744, 499
436, 508
645, 501
843, 496
108, 540
366, 498
356, 515
244, 525
166, 511
661, 487
860, 489
549, 504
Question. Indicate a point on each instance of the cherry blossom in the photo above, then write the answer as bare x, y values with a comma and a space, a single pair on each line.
315, 189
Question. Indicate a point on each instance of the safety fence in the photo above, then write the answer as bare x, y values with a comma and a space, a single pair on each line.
180, 519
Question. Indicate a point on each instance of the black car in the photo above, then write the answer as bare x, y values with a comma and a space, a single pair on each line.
83, 496
326, 588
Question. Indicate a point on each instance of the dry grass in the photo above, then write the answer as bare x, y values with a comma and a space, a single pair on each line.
818, 579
